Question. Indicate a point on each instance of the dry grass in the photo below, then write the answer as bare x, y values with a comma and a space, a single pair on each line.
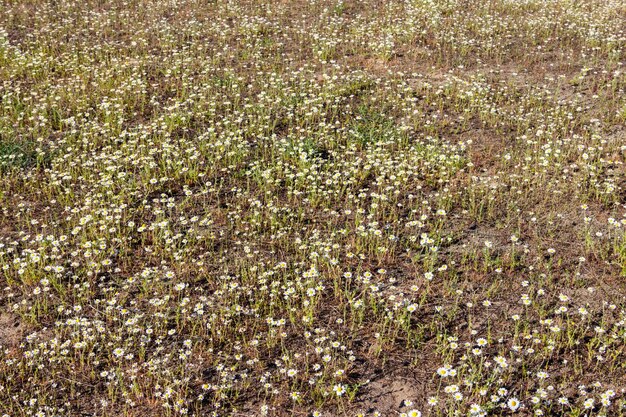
235, 208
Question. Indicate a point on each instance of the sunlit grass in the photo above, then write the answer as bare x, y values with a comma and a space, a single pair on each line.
309, 208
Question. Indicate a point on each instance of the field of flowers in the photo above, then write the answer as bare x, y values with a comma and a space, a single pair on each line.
313, 208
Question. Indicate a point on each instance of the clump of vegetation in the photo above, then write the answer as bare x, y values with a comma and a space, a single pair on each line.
312, 208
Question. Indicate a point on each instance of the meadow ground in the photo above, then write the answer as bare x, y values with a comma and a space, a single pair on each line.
313, 208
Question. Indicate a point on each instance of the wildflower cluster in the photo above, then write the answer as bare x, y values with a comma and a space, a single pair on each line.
321, 208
